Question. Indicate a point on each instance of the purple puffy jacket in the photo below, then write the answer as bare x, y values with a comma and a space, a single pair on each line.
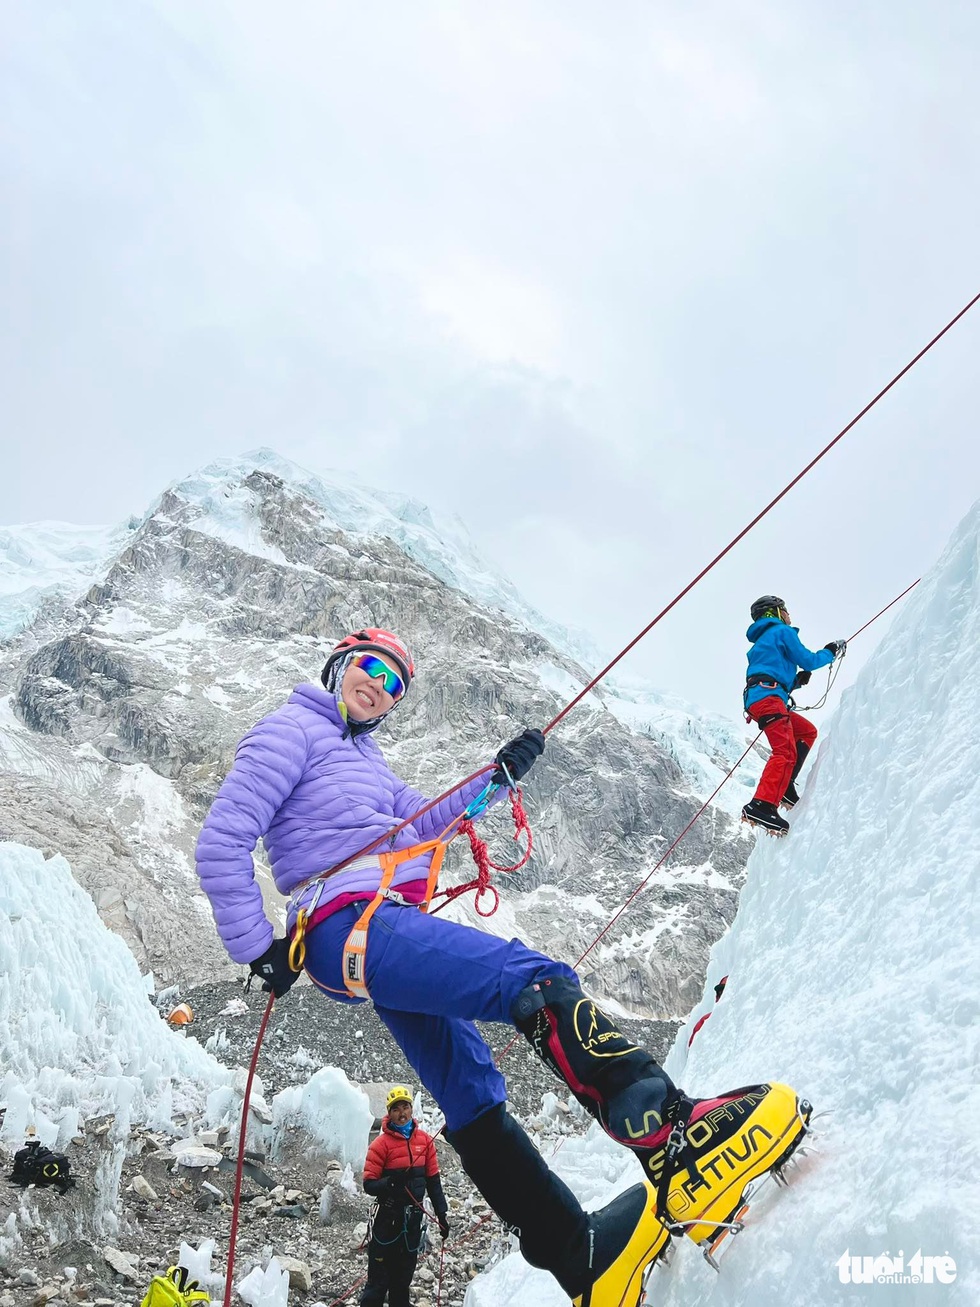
316, 795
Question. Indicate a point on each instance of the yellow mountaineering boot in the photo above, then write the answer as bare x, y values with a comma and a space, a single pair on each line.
702, 1162
626, 1239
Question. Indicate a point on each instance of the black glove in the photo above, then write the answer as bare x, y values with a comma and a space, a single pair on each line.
837, 647
443, 1219
802, 678
274, 970
518, 756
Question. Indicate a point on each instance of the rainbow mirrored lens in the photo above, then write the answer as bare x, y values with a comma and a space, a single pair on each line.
375, 668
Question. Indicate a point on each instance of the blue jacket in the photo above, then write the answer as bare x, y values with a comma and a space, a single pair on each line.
777, 651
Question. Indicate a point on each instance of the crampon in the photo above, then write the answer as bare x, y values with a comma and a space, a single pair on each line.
758, 1192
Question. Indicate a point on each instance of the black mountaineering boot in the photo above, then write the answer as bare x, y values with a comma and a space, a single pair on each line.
697, 1154
791, 798
598, 1258
759, 813
626, 1091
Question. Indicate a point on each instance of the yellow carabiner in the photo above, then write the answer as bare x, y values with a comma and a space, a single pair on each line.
297, 949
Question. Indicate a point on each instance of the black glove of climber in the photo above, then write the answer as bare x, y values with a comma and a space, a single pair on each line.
837, 647
802, 678
519, 756
443, 1220
274, 970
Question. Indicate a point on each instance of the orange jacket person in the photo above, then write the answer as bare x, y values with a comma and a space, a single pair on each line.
400, 1168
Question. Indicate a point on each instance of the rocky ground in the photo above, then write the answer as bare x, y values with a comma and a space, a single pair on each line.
316, 1218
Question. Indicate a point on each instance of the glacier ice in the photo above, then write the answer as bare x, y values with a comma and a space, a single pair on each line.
78, 1035
43, 559
333, 1112
854, 976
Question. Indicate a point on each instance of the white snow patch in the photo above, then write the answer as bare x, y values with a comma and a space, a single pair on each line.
123, 621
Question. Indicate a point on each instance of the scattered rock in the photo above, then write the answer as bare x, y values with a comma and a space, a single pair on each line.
260, 1109
123, 1264
358, 1234
189, 1152
27, 1276
144, 1189
300, 1275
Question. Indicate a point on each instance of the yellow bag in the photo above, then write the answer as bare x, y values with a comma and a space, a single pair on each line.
174, 1290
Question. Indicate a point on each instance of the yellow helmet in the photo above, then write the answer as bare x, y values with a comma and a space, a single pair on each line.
397, 1094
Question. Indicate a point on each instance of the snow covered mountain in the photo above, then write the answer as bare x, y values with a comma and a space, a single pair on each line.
853, 975
125, 698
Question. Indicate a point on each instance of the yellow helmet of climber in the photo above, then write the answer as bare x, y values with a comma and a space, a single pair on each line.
397, 1094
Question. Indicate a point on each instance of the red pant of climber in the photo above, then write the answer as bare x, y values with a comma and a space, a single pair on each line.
782, 734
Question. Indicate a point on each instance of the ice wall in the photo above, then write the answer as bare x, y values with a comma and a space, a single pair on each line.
78, 1034
853, 975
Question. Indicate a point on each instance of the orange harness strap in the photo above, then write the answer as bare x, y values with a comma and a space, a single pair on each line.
355, 948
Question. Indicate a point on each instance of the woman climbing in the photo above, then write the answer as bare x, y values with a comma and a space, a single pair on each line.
774, 657
310, 780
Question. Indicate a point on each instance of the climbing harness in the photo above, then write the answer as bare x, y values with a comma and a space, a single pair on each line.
355, 948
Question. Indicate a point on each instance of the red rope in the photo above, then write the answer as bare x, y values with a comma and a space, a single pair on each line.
484, 866
390, 835
759, 516
884, 610
242, 1135
646, 880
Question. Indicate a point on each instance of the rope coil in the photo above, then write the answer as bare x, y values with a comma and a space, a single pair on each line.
484, 865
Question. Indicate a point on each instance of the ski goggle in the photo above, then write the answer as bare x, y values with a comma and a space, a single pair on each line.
375, 668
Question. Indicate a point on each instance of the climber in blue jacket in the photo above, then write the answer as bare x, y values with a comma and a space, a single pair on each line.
779, 663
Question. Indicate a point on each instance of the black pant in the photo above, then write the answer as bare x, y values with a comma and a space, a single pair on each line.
393, 1254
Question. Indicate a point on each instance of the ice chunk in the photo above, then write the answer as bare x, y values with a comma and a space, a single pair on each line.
329, 1108
265, 1288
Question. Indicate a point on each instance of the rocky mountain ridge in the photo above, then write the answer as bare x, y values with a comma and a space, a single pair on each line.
124, 706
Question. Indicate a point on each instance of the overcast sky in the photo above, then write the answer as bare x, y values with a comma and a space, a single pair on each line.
598, 277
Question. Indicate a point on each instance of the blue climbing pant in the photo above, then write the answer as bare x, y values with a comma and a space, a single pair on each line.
430, 979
